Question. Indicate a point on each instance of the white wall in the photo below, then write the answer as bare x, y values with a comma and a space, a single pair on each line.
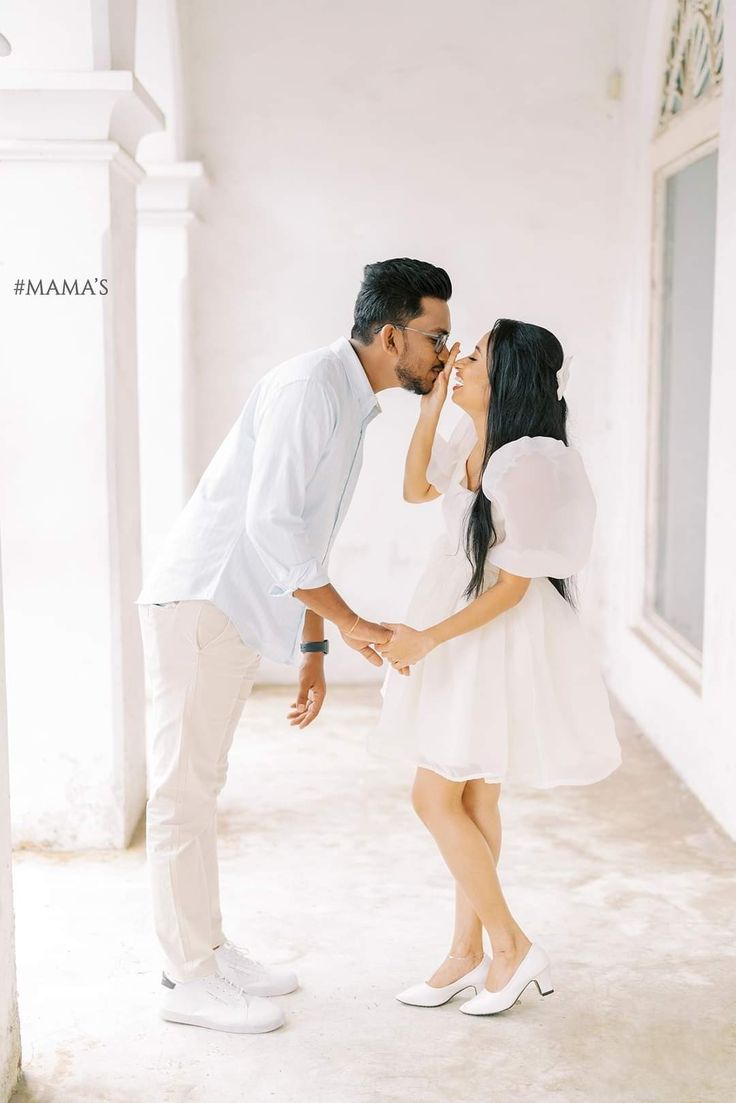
692, 726
480, 138
10, 1048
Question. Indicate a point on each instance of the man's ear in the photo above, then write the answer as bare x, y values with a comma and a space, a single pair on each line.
389, 335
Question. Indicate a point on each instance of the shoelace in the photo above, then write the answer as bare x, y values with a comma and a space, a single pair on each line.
250, 965
223, 989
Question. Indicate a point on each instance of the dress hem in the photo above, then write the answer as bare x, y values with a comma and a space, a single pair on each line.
510, 780
494, 779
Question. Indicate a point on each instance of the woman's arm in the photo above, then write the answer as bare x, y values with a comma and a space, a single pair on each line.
507, 592
416, 486
408, 646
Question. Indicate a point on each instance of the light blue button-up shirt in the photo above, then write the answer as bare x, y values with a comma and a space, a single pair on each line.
266, 512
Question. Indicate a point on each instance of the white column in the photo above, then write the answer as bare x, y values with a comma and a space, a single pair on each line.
69, 474
165, 219
9, 1025
164, 348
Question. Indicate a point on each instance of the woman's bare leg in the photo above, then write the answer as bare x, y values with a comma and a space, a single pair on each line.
480, 801
439, 804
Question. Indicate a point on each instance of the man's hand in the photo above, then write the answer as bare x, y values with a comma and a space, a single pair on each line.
311, 691
363, 645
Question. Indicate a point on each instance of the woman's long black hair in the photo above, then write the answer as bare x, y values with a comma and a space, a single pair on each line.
523, 361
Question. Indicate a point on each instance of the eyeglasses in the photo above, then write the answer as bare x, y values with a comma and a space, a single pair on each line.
440, 340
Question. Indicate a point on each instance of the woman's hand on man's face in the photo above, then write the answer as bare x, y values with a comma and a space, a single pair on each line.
406, 647
431, 404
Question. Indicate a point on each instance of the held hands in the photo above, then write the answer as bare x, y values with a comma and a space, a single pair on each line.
365, 636
312, 687
406, 647
431, 404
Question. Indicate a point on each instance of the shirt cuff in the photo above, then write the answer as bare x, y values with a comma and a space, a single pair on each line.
309, 577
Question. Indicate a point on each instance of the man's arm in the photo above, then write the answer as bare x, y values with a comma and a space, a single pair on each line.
314, 629
292, 434
357, 633
293, 431
312, 687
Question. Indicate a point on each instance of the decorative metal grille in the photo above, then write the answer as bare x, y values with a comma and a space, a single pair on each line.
694, 67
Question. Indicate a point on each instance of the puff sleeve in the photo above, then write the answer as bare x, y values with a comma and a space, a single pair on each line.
447, 455
547, 504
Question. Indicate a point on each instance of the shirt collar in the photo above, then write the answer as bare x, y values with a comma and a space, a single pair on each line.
358, 380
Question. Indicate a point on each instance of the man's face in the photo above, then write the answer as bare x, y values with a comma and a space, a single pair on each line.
418, 364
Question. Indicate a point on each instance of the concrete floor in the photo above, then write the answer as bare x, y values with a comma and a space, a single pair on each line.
628, 884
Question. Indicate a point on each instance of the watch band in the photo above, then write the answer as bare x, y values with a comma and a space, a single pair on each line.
316, 645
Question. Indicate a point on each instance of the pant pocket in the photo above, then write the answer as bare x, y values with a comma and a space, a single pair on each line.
212, 625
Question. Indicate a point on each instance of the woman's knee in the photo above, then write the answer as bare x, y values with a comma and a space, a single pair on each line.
433, 797
481, 798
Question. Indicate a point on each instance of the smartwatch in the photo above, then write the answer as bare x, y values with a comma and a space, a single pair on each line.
316, 645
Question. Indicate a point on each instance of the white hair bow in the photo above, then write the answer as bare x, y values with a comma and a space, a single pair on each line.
563, 376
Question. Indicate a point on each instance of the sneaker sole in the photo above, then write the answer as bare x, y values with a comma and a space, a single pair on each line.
284, 990
196, 1020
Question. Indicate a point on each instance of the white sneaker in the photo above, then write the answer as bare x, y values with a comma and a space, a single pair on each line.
217, 1003
255, 979
424, 995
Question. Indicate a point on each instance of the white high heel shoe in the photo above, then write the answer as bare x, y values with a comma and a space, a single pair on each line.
423, 995
533, 969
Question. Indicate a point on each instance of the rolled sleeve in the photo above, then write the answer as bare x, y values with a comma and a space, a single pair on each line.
309, 578
292, 434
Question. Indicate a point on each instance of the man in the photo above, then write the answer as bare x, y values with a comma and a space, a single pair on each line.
243, 574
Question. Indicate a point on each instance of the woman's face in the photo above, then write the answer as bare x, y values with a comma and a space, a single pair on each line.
472, 390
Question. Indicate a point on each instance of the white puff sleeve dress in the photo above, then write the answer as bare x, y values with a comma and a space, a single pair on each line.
520, 699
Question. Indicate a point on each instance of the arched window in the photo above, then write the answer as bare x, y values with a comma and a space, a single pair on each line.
685, 164
694, 57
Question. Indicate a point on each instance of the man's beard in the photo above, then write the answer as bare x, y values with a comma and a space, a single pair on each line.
411, 382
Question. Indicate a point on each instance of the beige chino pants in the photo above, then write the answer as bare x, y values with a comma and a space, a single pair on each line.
201, 674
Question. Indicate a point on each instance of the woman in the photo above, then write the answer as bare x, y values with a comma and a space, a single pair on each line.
503, 684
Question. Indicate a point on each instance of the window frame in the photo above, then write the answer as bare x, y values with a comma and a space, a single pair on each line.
688, 138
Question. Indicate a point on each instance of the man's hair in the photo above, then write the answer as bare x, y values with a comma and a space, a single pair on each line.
392, 292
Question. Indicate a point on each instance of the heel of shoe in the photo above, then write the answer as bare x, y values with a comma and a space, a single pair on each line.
543, 982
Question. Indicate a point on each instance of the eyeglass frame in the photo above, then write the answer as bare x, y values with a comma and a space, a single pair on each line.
440, 339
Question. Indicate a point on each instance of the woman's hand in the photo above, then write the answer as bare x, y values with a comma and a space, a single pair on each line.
430, 405
407, 646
